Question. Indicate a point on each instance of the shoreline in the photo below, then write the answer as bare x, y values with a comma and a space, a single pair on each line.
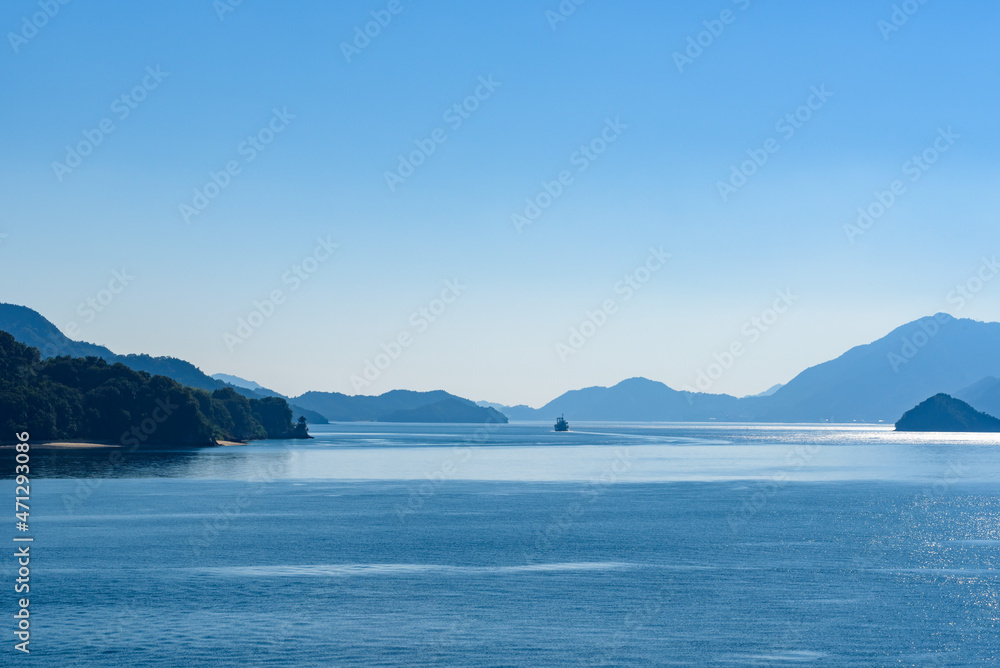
69, 445
90, 445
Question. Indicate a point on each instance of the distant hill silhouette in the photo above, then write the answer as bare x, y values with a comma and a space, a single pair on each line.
769, 391
869, 383
389, 407
633, 400
33, 329
880, 380
236, 381
452, 409
640, 399
944, 413
983, 396
519, 412
245, 386
89, 399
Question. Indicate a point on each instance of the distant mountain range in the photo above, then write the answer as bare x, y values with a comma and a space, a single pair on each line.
394, 406
88, 399
398, 406
635, 400
876, 382
983, 396
769, 391
31, 328
236, 381
883, 379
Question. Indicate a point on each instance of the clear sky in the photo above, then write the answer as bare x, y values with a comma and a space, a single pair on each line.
309, 129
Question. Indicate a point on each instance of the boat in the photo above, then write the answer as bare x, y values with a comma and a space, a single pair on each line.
561, 424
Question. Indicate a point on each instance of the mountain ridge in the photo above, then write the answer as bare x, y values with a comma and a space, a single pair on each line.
378, 408
872, 382
31, 328
983, 395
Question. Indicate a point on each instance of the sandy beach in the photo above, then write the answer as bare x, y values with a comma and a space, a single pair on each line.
68, 445
80, 445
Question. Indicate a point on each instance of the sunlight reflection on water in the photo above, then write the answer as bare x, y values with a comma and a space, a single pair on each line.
533, 452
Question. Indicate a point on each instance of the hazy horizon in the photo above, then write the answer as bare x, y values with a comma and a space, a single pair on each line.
293, 135
693, 388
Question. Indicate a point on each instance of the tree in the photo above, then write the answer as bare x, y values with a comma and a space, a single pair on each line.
274, 414
301, 429
87, 398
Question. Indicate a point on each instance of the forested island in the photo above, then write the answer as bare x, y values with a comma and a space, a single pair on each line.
88, 399
943, 412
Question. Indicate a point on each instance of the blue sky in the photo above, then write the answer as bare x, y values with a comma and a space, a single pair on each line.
345, 124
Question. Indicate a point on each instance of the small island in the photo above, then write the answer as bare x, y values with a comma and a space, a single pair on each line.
943, 412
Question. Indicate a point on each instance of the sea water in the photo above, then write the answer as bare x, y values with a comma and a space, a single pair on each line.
511, 545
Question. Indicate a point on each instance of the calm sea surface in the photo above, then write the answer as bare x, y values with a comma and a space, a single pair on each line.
612, 545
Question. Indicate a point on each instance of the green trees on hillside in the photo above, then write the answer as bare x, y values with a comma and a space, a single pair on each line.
87, 398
